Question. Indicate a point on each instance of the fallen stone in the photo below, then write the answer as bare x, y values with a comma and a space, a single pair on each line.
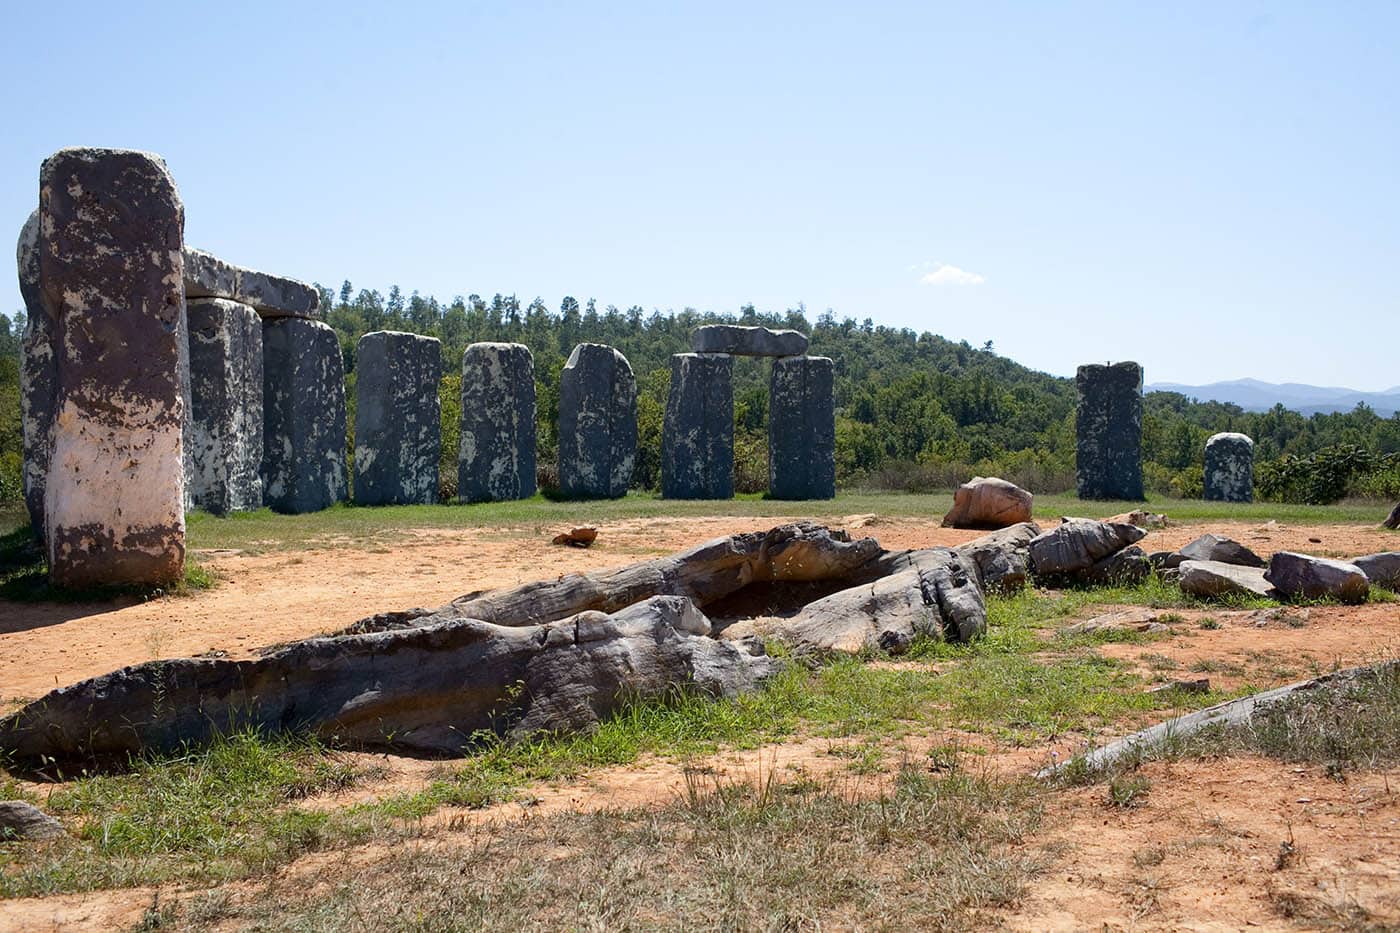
1301, 575
988, 502
577, 537
20, 820
1211, 579
1392, 521
1224, 550
224, 439
111, 270
597, 423
1130, 565
1078, 544
1003, 557
1122, 620
1165, 560
1381, 569
496, 453
398, 419
304, 416
1151, 521
801, 429
736, 340
1198, 685
1108, 431
697, 438
37, 376
1229, 468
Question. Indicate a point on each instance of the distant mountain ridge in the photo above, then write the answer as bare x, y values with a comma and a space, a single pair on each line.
1254, 395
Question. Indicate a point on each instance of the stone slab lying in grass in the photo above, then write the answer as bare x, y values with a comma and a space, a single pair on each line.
1381, 569
1211, 579
1214, 547
20, 820
1078, 543
1304, 576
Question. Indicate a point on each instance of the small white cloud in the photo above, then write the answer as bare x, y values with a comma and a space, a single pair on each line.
944, 274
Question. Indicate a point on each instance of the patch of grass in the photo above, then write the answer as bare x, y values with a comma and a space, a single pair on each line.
1128, 792
1208, 623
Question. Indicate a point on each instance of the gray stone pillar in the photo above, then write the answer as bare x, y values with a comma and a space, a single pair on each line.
111, 269
597, 423
1108, 431
1229, 469
37, 374
496, 454
398, 419
224, 442
303, 416
697, 439
801, 429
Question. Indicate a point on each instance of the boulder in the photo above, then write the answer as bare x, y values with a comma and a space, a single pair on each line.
1003, 557
1077, 544
37, 376
224, 438
697, 438
747, 341
496, 453
597, 423
1381, 569
398, 419
20, 820
1151, 521
1165, 560
1211, 578
111, 272
1301, 575
988, 502
1108, 431
1229, 468
1212, 547
801, 429
1130, 565
303, 416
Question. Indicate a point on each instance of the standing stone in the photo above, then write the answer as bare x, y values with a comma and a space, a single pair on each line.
801, 429
1229, 468
398, 419
111, 269
1108, 426
224, 444
496, 453
697, 439
37, 375
303, 416
597, 423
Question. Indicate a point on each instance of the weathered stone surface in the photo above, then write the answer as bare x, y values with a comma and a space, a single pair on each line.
1002, 558
272, 296
1129, 565
496, 455
1077, 544
1229, 468
801, 429
1215, 547
303, 416
1381, 569
425, 690
37, 376
111, 271
20, 820
988, 502
1165, 560
208, 276
224, 442
1210, 579
1108, 426
697, 438
398, 418
1150, 521
737, 340
1301, 575
597, 423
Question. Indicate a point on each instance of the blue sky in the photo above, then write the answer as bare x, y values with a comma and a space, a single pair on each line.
1211, 189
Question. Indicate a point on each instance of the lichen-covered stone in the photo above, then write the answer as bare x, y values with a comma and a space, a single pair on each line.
303, 416
801, 429
1229, 468
697, 438
398, 418
1302, 576
224, 443
496, 453
737, 340
1108, 425
208, 276
597, 423
37, 374
111, 270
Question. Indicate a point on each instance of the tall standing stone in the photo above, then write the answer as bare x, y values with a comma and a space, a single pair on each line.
496, 453
801, 429
37, 374
398, 419
597, 423
697, 438
303, 416
111, 271
1229, 469
1108, 431
224, 442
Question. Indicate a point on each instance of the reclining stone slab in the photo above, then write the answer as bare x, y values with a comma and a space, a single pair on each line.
737, 340
208, 276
